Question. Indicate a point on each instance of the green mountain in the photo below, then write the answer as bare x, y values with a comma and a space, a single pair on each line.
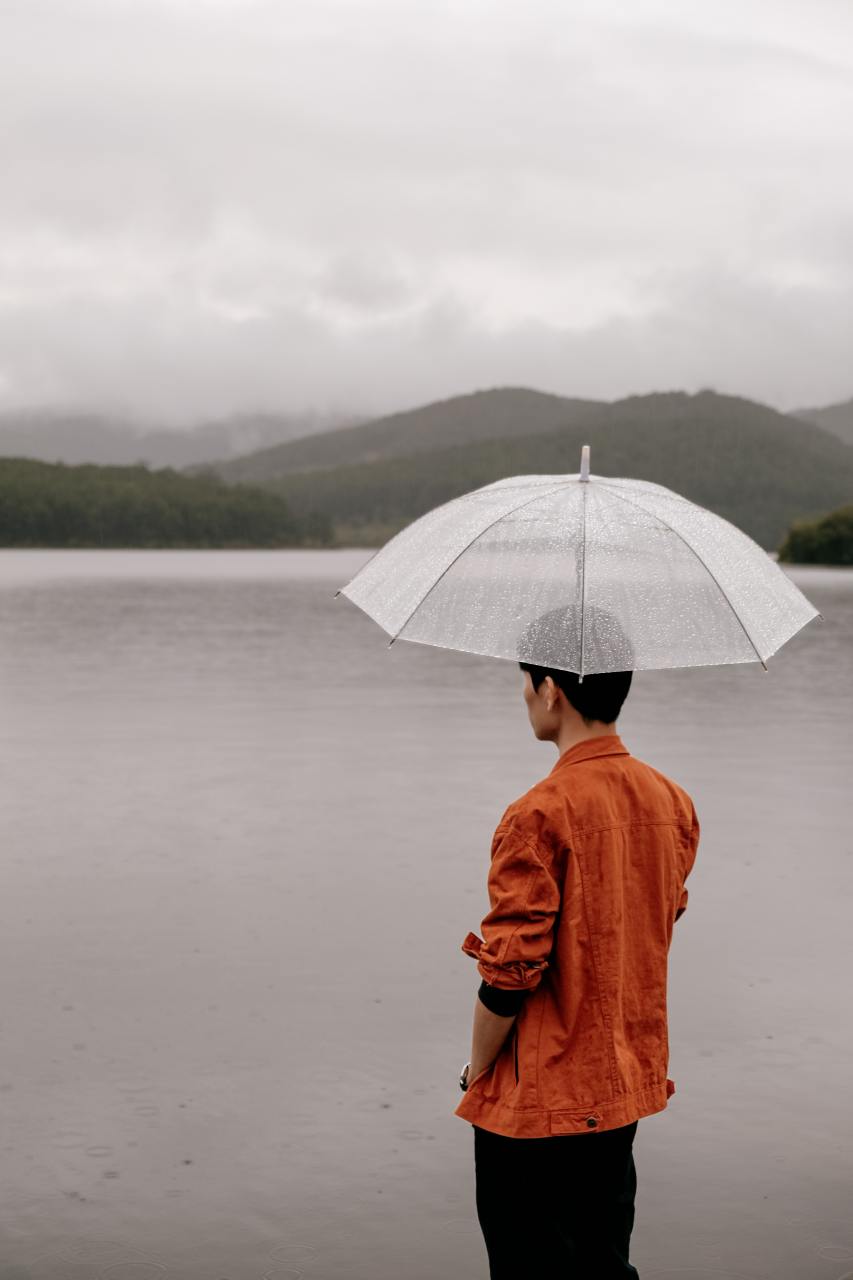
837, 418
44, 504
757, 468
483, 415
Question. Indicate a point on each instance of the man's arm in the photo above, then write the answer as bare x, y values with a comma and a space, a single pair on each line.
495, 1011
487, 1038
518, 933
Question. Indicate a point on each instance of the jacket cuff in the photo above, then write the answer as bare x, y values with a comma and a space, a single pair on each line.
518, 975
472, 945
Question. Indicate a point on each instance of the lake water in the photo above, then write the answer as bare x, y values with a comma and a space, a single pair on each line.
243, 840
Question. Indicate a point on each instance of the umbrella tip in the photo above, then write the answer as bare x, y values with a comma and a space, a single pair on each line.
585, 462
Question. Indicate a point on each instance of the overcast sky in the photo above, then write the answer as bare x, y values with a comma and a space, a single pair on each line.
215, 205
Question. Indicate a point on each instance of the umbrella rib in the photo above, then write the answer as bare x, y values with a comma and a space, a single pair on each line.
693, 550
470, 544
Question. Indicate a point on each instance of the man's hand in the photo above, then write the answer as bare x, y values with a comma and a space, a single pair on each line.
488, 1035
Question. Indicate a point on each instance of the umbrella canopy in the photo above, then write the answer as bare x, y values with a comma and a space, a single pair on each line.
584, 573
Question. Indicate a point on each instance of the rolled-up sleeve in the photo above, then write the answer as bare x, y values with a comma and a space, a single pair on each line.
524, 897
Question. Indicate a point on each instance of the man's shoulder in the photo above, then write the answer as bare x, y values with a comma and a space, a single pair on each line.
568, 796
557, 803
535, 813
656, 778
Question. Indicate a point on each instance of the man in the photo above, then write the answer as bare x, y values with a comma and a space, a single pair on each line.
569, 1046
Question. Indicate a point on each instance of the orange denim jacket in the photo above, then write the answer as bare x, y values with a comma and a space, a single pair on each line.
585, 884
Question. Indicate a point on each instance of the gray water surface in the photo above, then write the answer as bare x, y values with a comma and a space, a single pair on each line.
242, 842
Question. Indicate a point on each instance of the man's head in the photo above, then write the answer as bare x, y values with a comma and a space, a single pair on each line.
552, 696
557, 698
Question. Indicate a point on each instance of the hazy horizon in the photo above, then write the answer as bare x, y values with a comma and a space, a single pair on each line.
323, 420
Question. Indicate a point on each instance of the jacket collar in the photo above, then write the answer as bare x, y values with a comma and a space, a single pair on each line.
607, 744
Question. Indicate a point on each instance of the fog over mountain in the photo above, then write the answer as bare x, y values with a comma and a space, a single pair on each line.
75, 438
253, 447
219, 205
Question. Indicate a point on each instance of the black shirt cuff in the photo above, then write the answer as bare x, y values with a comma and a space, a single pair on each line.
504, 1003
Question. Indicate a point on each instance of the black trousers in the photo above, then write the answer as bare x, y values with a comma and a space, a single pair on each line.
559, 1208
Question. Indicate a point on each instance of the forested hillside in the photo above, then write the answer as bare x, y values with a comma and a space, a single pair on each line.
53, 505
760, 469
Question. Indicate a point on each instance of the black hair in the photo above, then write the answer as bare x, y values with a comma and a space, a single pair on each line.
596, 697
555, 637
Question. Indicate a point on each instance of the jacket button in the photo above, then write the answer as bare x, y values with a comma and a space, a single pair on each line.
591, 1122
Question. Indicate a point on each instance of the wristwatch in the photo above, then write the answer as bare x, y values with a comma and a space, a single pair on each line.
463, 1077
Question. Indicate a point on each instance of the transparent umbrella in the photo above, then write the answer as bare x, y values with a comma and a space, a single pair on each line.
581, 572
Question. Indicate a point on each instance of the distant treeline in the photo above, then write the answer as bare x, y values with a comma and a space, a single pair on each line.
54, 505
46, 504
825, 541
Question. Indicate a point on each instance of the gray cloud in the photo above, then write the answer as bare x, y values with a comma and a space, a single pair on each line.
226, 204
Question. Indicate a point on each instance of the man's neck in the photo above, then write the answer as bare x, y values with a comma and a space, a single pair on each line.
570, 734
